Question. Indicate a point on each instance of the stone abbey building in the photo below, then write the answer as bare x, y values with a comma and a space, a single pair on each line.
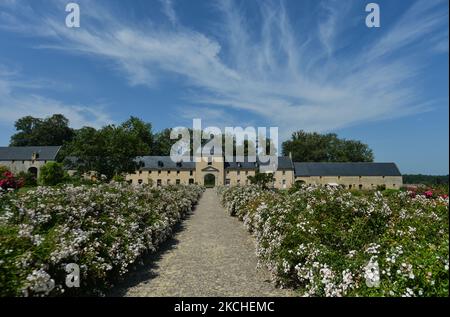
27, 158
161, 170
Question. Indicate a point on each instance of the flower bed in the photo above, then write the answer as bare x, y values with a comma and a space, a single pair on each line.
329, 242
102, 228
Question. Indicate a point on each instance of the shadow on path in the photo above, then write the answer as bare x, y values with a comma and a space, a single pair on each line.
146, 268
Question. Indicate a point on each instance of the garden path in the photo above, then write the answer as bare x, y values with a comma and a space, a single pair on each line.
210, 255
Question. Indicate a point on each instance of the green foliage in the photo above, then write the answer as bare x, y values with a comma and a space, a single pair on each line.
262, 179
111, 150
162, 143
29, 179
32, 131
315, 147
118, 178
102, 228
52, 173
325, 241
3, 169
425, 179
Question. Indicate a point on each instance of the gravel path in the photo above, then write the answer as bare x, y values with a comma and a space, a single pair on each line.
210, 255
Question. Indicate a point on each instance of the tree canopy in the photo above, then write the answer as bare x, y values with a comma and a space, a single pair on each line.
112, 149
50, 131
262, 179
315, 147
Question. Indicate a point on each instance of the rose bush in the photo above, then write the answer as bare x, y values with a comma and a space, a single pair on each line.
102, 228
331, 242
9, 181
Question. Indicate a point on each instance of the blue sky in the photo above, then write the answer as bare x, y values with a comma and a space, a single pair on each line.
298, 64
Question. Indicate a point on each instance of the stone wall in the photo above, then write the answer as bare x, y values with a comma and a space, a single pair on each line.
23, 166
356, 182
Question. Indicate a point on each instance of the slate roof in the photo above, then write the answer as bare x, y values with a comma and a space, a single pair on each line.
346, 169
24, 153
284, 163
166, 163
163, 163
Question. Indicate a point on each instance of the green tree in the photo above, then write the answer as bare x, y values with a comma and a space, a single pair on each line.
50, 131
142, 131
52, 173
162, 143
315, 147
262, 179
109, 151
29, 179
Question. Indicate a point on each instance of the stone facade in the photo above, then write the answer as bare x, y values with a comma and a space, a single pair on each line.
160, 171
355, 182
27, 158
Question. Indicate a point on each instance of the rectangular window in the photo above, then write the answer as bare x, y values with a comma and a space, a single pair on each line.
191, 181
191, 173
158, 182
178, 182
227, 181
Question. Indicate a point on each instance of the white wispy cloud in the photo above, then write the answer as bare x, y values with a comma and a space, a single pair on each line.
169, 11
15, 103
293, 78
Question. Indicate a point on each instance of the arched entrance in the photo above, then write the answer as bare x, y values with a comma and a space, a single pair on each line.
209, 180
33, 170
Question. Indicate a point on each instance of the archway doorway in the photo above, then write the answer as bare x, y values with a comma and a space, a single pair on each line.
33, 170
209, 180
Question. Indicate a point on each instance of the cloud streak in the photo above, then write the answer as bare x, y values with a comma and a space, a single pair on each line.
293, 79
15, 103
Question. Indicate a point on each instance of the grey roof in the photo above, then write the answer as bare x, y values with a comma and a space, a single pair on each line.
284, 163
163, 163
166, 163
346, 169
24, 153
